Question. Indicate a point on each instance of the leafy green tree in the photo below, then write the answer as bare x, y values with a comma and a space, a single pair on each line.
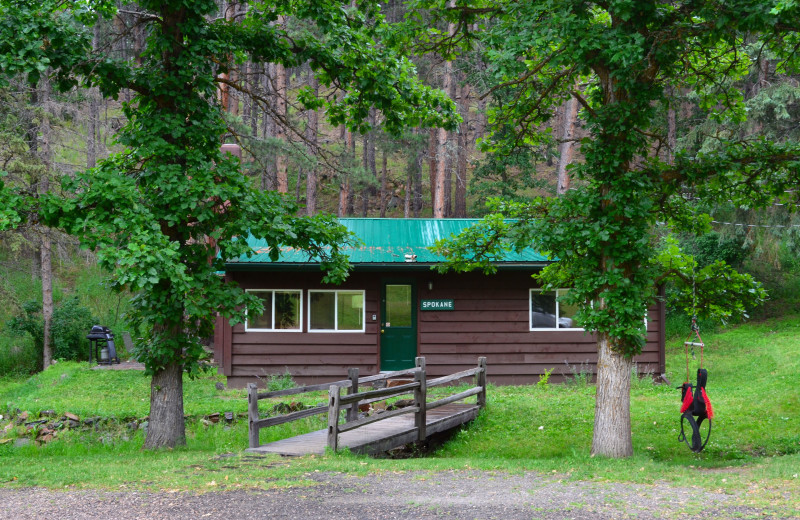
165, 211
629, 55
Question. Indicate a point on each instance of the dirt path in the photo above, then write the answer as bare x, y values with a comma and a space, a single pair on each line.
454, 494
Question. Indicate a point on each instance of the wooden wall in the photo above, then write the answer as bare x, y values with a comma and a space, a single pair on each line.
490, 319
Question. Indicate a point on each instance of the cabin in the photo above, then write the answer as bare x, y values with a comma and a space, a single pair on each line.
394, 307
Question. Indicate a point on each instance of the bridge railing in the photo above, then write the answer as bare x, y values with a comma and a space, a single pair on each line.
419, 406
353, 398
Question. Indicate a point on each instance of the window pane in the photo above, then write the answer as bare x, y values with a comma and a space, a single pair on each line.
543, 310
566, 313
351, 310
262, 321
287, 310
322, 310
398, 305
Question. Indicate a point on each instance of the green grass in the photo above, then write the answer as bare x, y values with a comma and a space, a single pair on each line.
755, 445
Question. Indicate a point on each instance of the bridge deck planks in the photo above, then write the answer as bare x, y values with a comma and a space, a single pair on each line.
376, 437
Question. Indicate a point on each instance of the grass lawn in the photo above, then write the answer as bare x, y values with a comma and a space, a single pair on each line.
754, 450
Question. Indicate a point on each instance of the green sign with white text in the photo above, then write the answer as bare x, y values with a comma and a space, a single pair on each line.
436, 305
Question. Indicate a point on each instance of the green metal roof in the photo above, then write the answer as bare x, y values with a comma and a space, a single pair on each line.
385, 241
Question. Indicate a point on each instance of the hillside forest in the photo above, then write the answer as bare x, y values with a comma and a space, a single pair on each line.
460, 119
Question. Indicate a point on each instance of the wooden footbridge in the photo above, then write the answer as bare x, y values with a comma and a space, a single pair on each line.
379, 432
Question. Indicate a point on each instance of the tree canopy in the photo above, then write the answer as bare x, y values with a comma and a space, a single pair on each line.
164, 211
622, 60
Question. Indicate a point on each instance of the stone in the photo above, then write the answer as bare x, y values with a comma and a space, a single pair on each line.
91, 421
133, 426
72, 416
21, 442
229, 417
214, 418
220, 386
22, 417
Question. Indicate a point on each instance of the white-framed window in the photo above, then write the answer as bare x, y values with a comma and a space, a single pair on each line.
547, 313
336, 311
283, 311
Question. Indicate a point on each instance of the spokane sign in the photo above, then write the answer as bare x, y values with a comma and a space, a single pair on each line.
436, 305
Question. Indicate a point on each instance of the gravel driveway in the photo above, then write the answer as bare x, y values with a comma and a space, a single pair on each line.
455, 494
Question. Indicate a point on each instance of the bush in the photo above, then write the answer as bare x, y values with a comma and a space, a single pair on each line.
19, 357
70, 323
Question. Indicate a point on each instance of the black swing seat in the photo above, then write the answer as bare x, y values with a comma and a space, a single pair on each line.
697, 412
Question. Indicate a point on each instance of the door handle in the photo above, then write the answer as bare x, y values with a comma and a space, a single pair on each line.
382, 331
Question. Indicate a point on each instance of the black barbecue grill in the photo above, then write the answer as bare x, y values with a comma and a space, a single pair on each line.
102, 340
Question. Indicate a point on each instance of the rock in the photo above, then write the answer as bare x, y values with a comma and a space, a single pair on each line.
22, 441
91, 421
133, 426
402, 403
143, 426
31, 424
214, 417
220, 386
47, 413
72, 417
363, 407
22, 417
229, 417
72, 424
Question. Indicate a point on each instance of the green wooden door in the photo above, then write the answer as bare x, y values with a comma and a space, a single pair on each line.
398, 325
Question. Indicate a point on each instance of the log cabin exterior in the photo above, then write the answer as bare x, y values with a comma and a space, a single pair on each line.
394, 307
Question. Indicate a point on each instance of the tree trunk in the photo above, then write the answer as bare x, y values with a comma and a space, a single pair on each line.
384, 182
44, 187
311, 142
47, 295
94, 112
462, 153
433, 164
269, 174
281, 87
166, 427
612, 413
567, 145
417, 205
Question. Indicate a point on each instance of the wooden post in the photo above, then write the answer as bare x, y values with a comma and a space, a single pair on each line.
333, 417
252, 414
352, 375
420, 399
481, 381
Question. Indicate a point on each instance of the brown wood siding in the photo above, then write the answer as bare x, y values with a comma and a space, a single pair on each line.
490, 319
308, 356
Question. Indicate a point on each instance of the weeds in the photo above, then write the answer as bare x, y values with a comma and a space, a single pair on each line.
544, 378
578, 375
275, 382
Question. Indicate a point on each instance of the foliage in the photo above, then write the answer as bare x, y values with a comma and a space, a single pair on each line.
544, 379
274, 382
32, 324
70, 324
628, 56
165, 212
9, 206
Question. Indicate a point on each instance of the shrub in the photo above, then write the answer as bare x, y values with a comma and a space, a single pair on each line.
70, 323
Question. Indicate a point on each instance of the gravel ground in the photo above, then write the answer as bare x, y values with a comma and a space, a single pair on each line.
461, 495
